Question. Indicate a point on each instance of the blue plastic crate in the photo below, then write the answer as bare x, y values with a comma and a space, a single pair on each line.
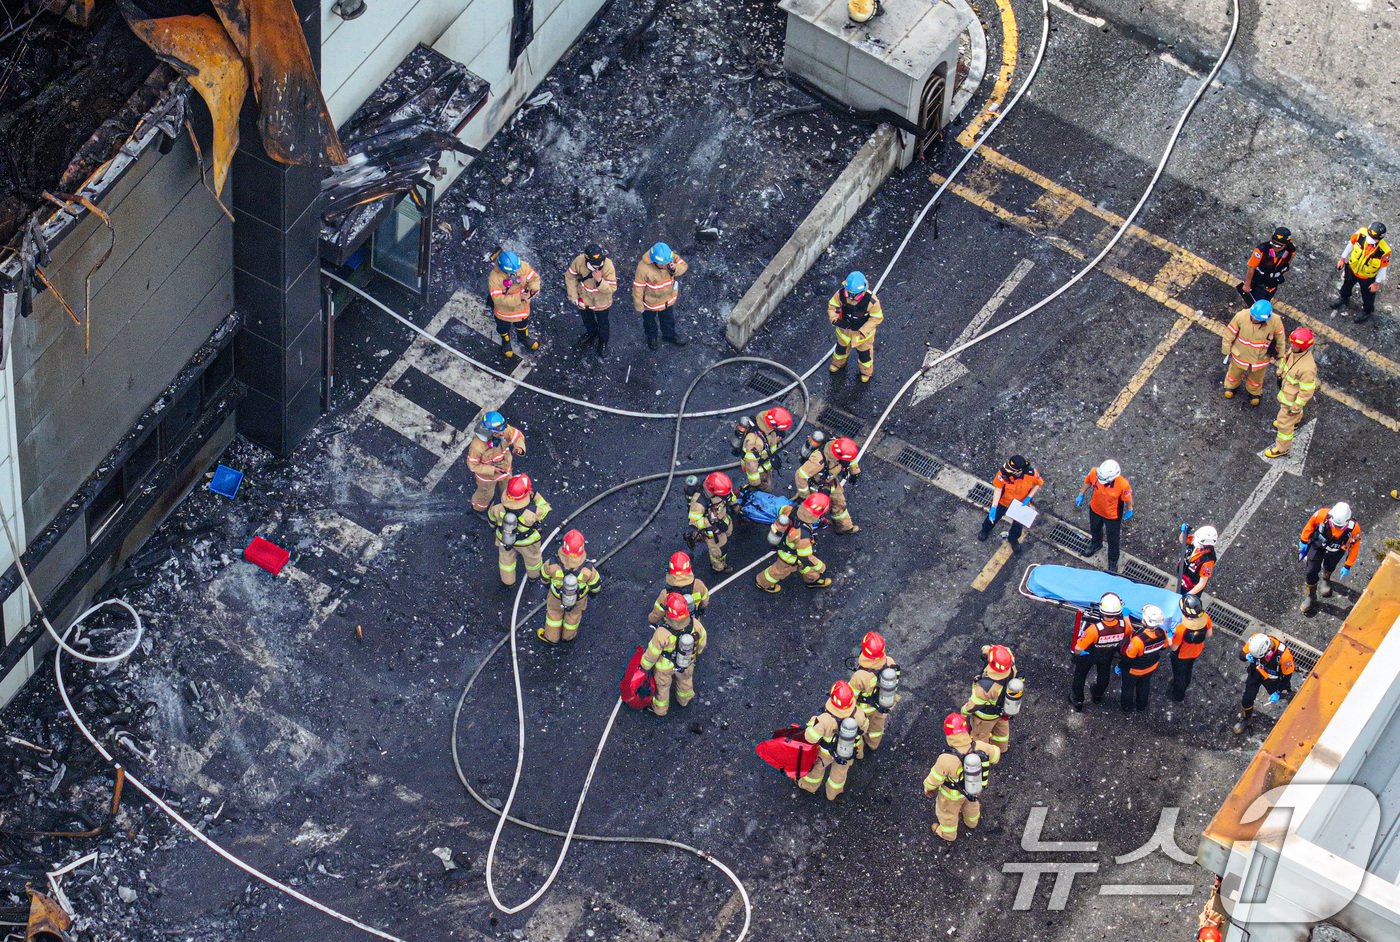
226, 482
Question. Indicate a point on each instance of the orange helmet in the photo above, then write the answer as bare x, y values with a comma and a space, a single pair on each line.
680, 564
844, 449
676, 606
778, 419
1302, 338
1208, 934
717, 484
999, 658
873, 645
817, 505
519, 487
574, 543
842, 696
955, 724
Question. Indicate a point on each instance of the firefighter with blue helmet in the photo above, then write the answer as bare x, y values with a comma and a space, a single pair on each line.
512, 285
655, 287
1253, 340
855, 312
489, 457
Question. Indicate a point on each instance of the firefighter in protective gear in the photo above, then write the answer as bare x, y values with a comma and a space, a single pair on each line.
761, 442
1187, 642
513, 284
1267, 265
666, 656
521, 536
826, 472
985, 709
654, 292
1297, 377
1141, 653
680, 578
948, 779
1364, 263
1253, 340
835, 753
1271, 667
865, 681
564, 605
590, 282
1110, 503
1198, 565
489, 457
797, 548
1017, 480
711, 519
1329, 538
856, 314
1095, 646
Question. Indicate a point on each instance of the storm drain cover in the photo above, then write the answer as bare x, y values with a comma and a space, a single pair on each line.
923, 465
1137, 572
981, 495
766, 383
1228, 618
1076, 541
834, 420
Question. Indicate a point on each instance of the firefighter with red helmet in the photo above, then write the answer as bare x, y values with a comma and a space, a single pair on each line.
517, 519
837, 732
759, 444
958, 777
996, 697
671, 653
1297, 378
680, 577
826, 471
571, 581
796, 533
876, 683
711, 517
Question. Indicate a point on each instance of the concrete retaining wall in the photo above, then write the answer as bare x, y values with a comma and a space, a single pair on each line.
870, 167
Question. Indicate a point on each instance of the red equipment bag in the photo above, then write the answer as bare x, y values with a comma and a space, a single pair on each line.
266, 554
788, 752
637, 686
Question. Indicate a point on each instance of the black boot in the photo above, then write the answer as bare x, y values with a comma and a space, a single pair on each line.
585, 340
602, 349
1242, 722
1093, 548
676, 340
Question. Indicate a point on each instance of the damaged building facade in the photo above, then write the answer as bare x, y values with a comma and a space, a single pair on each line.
152, 308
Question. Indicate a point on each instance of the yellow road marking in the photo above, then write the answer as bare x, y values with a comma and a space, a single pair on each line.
989, 571
1144, 373
1010, 39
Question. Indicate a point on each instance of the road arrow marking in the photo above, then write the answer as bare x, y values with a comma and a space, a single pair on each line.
945, 374
1278, 467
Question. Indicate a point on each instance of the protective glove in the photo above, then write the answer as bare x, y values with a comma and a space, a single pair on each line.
1079, 500
1128, 514
1342, 573
1084, 653
992, 515
1273, 697
1249, 658
1302, 550
1117, 671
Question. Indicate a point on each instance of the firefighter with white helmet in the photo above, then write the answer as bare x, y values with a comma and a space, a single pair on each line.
1141, 654
996, 697
796, 533
1098, 635
958, 777
711, 517
826, 471
517, 519
837, 732
671, 653
680, 577
1271, 667
489, 456
1330, 542
760, 440
1198, 562
876, 683
1110, 499
571, 581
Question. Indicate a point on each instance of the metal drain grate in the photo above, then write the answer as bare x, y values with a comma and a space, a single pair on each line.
981, 495
766, 383
1076, 541
1305, 661
1138, 572
1231, 620
916, 461
834, 420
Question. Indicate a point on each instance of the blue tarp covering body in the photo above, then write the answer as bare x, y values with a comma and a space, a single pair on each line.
761, 506
1084, 587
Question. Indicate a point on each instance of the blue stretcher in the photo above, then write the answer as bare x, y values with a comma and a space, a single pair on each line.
761, 506
1081, 589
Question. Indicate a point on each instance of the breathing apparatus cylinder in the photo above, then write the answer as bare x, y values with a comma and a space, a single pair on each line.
1015, 690
846, 736
569, 595
736, 441
888, 688
972, 775
685, 651
508, 525
778, 530
691, 487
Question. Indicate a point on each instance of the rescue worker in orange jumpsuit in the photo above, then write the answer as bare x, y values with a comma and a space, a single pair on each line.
1095, 646
948, 779
1267, 265
985, 709
590, 282
797, 546
1297, 378
1141, 654
1110, 503
1253, 340
1271, 667
1187, 642
711, 519
680, 578
865, 681
521, 536
1329, 538
489, 457
1364, 263
824, 732
1017, 480
760, 444
826, 472
1198, 565
654, 291
513, 284
564, 605
856, 314
671, 654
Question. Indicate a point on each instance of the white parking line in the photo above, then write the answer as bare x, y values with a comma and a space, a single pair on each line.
1094, 21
